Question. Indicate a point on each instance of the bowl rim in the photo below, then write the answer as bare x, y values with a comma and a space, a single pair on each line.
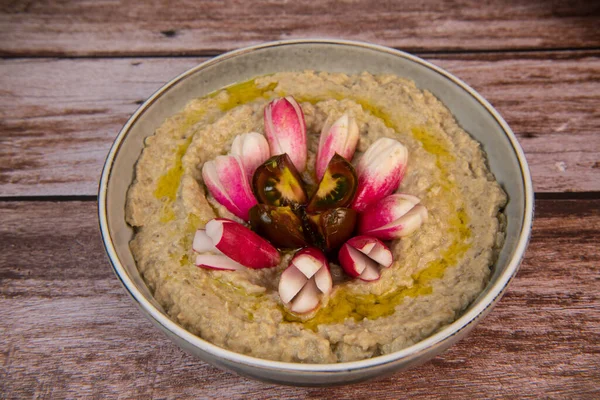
475, 311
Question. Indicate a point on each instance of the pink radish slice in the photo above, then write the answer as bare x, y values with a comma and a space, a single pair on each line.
380, 171
403, 226
339, 137
226, 180
253, 149
241, 244
393, 217
285, 130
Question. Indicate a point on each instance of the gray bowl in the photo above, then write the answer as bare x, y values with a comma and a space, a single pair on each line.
473, 113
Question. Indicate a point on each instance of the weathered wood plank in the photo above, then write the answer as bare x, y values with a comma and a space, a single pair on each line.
551, 103
157, 27
59, 117
69, 330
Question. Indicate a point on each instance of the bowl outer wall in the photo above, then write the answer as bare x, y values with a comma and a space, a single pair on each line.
473, 113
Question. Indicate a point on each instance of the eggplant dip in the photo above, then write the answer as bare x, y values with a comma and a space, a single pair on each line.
315, 217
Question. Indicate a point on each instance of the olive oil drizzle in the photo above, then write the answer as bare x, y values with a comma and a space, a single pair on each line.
168, 184
344, 303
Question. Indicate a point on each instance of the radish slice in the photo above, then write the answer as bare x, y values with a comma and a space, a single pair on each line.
362, 257
233, 246
290, 284
380, 171
203, 243
393, 217
305, 281
241, 244
285, 130
307, 265
323, 280
252, 149
371, 273
218, 262
226, 180
339, 137
307, 300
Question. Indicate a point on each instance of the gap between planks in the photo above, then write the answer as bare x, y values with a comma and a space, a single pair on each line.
56, 144
183, 26
216, 53
538, 196
69, 327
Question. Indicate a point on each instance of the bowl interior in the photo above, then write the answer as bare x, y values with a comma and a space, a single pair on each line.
475, 116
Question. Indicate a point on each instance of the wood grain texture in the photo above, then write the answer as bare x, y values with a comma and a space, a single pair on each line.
68, 330
58, 117
158, 27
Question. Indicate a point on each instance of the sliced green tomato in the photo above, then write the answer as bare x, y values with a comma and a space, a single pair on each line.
277, 182
337, 188
279, 225
312, 231
332, 228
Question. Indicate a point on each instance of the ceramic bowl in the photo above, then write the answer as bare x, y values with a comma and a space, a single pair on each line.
474, 114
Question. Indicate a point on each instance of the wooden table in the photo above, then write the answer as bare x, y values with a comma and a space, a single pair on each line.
71, 74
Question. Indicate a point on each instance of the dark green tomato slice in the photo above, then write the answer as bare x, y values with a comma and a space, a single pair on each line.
279, 225
337, 188
330, 229
277, 182
311, 228
337, 226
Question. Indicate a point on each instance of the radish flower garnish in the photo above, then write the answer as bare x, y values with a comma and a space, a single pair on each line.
235, 246
252, 149
380, 171
362, 257
341, 137
305, 281
286, 130
393, 217
227, 182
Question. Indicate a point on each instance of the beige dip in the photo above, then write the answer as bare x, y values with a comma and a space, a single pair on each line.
437, 272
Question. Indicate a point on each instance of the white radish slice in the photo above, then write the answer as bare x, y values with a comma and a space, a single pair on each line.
360, 261
371, 273
380, 254
308, 298
362, 257
323, 280
307, 265
217, 261
203, 243
365, 266
290, 284
367, 248
214, 229
305, 280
